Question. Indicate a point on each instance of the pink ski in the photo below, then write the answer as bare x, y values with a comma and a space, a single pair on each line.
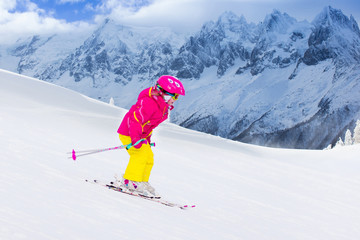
158, 200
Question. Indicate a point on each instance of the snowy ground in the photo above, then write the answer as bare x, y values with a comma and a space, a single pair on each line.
240, 191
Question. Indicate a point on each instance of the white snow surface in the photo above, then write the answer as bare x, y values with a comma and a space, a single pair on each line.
240, 191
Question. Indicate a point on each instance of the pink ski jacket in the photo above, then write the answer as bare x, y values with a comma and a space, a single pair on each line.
148, 112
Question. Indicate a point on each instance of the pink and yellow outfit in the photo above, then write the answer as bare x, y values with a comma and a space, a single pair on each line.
149, 111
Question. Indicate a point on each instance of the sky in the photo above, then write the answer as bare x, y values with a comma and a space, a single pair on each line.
24, 17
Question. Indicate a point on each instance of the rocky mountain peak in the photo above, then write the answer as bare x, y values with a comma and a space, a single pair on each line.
277, 22
231, 20
336, 21
330, 16
334, 36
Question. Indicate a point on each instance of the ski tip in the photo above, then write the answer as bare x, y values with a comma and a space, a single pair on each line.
187, 206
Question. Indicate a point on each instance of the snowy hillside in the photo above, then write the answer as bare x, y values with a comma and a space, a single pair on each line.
240, 191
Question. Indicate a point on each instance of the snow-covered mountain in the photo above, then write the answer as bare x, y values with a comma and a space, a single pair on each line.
116, 53
241, 191
278, 83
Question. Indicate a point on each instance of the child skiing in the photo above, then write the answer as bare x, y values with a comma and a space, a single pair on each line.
151, 109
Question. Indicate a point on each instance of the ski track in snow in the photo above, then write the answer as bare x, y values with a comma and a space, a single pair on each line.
240, 191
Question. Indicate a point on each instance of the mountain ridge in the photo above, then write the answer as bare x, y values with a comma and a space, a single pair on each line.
275, 83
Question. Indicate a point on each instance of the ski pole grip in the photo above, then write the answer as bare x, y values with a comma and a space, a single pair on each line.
131, 145
143, 139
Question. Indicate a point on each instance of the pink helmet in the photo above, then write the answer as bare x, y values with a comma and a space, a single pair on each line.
171, 84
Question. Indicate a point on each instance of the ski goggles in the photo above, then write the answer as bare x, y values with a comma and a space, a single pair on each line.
168, 95
171, 95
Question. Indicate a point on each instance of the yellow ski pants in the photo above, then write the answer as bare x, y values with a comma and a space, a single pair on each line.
140, 163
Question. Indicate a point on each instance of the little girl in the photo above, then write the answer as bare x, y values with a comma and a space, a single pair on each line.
151, 109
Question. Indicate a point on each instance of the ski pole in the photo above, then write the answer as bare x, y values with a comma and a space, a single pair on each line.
74, 155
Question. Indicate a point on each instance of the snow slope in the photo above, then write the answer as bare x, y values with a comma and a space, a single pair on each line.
241, 191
